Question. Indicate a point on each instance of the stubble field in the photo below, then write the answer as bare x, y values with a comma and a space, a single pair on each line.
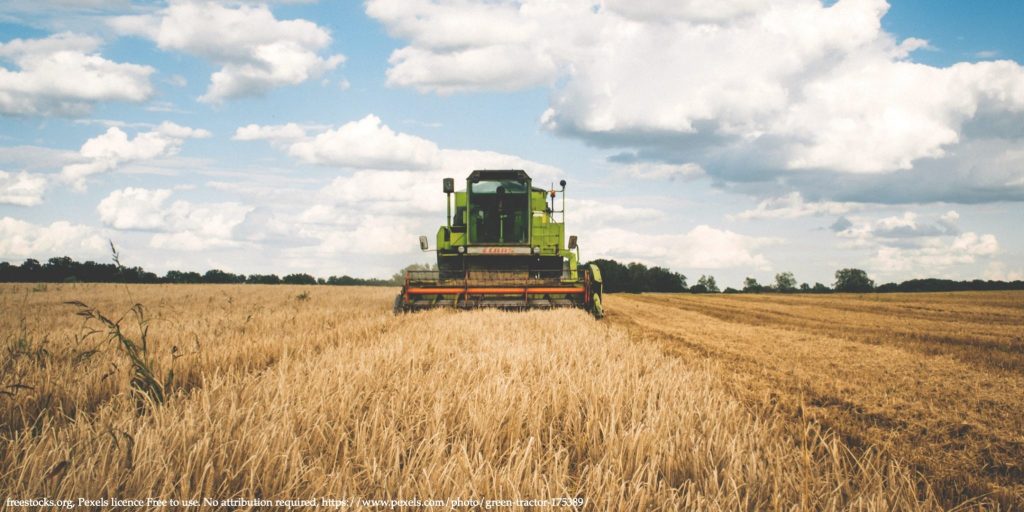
893, 402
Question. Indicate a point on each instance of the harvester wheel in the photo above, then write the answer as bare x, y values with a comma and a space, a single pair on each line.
596, 309
399, 306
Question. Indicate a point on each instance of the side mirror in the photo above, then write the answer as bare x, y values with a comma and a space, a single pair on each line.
424, 246
572, 242
449, 185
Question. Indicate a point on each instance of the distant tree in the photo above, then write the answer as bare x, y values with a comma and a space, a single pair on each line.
887, 288
31, 268
804, 287
730, 289
750, 285
358, 281
221, 277
179, 277
263, 279
820, 288
637, 275
853, 280
663, 280
8, 272
708, 282
698, 288
299, 279
785, 282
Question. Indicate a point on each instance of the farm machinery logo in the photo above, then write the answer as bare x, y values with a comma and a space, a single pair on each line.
499, 250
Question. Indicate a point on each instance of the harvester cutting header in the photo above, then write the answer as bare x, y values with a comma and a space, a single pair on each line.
503, 248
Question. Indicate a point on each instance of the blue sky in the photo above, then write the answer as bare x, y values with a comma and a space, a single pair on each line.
723, 138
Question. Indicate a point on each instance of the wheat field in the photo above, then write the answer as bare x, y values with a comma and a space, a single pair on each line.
320, 398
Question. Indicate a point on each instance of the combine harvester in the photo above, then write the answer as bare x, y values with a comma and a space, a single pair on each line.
503, 249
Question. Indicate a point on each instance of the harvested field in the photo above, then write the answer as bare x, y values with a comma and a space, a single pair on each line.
934, 379
675, 402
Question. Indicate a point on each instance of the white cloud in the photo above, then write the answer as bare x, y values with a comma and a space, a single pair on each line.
790, 85
934, 254
703, 247
900, 228
358, 233
998, 271
181, 225
793, 205
22, 189
106, 152
905, 244
463, 47
63, 74
662, 171
20, 239
284, 132
367, 144
256, 51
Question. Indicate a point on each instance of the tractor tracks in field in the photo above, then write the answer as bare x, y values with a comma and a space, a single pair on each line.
954, 422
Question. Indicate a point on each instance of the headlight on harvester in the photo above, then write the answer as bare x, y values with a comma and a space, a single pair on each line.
536, 249
462, 249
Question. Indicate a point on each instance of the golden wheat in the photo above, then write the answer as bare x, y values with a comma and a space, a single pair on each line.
333, 397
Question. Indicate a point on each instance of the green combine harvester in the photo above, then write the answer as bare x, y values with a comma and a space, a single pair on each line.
503, 249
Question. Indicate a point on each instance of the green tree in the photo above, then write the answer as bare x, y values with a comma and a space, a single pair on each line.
299, 279
750, 285
708, 282
820, 288
853, 280
785, 282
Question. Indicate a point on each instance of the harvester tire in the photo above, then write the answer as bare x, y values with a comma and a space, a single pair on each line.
399, 307
596, 309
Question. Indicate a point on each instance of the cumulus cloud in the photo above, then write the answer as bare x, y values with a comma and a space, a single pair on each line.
743, 89
22, 189
998, 271
894, 228
907, 244
112, 149
256, 51
284, 132
369, 144
793, 205
21, 239
180, 225
934, 254
366, 143
358, 233
63, 74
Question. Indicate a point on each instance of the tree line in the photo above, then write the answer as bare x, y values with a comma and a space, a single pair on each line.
618, 277
66, 270
637, 277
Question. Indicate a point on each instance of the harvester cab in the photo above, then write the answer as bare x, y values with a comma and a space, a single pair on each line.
504, 247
